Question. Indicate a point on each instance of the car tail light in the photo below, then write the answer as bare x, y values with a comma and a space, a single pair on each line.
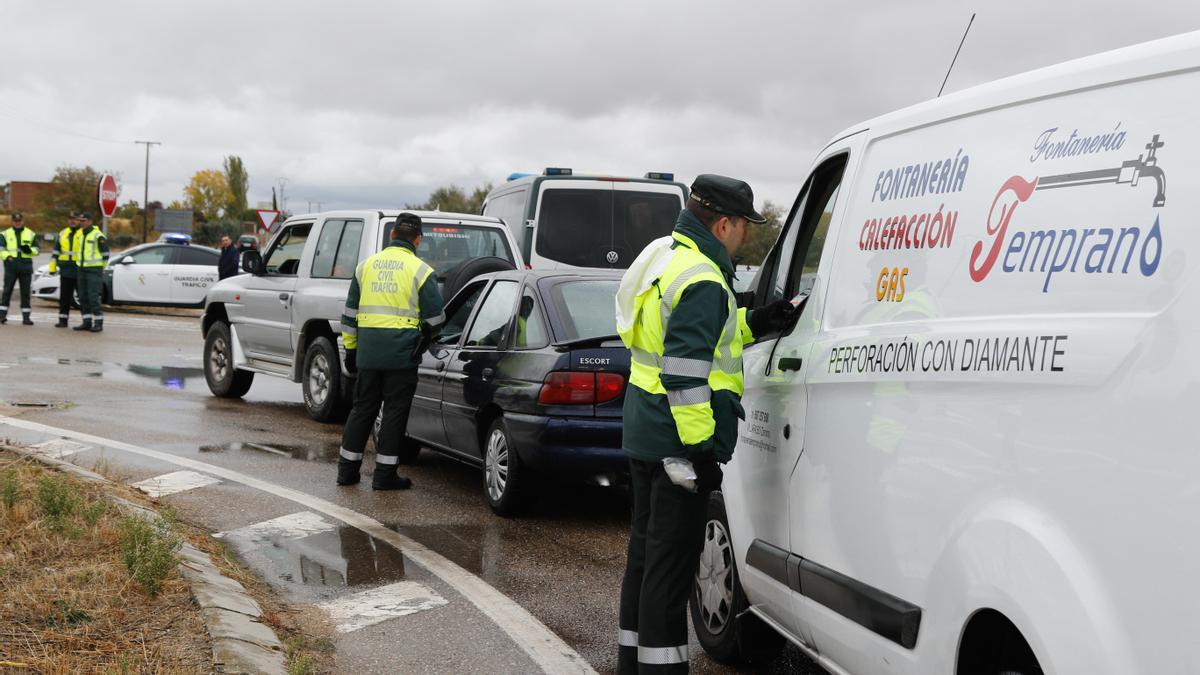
580, 388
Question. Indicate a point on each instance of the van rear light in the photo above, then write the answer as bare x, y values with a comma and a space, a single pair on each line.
580, 388
608, 386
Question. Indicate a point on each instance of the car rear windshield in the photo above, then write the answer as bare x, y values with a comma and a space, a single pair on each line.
602, 227
586, 308
445, 246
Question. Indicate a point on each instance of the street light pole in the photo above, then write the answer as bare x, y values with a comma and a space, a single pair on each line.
146, 192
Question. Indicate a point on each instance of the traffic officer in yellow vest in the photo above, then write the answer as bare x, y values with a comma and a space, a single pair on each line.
393, 308
18, 246
65, 262
677, 314
93, 256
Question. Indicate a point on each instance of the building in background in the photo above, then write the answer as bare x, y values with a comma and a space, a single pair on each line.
21, 195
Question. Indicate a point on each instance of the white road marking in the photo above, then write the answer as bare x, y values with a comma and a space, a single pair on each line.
176, 481
59, 448
538, 642
291, 526
370, 607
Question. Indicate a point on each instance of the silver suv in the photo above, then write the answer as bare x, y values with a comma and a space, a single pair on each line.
283, 318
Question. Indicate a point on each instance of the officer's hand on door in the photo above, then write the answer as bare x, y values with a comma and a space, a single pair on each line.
776, 317
708, 474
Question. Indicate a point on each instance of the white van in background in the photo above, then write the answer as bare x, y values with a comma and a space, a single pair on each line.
566, 221
976, 452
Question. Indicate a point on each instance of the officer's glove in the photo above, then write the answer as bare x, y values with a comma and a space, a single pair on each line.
708, 474
26, 249
776, 317
352, 361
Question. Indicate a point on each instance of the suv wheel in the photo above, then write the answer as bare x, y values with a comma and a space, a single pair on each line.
718, 601
223, 379
410, 447
322, 382
504, 476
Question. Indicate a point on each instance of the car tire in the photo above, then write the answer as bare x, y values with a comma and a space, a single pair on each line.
223, 379
469, 269
321, 380
505, 478
410, 447
717, 600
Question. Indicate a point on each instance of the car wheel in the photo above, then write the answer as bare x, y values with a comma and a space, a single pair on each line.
504, 477
322, 382
410, 447
469, 269
223, 379
718, 601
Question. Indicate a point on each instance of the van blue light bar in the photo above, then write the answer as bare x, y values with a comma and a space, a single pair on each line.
556, 171
657, 175
517, 174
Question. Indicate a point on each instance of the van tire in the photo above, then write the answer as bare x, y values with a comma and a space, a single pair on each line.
224, 381
726, 631
321, 380
469, 269
410, 448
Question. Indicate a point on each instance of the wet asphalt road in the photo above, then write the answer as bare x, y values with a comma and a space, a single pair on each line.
141, 382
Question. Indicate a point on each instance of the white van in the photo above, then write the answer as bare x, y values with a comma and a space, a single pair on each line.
977, 452
567, 221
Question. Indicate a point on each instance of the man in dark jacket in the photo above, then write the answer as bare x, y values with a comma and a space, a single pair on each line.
228, 265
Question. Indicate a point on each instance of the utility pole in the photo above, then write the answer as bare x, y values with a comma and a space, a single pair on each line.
282, 194
146, 192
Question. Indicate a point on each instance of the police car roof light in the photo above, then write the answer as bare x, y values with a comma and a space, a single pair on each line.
517, 174
658, 175
556, 171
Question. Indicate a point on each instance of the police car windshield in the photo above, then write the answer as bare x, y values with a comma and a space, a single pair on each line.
586, 308
444, 246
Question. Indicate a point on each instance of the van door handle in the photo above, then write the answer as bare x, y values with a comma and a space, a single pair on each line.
790, 363
283, 296
441, 365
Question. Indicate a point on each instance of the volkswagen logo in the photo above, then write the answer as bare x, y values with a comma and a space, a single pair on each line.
612, 257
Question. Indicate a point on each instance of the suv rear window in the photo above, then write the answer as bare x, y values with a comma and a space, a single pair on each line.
586, 308
581, 227
445, 246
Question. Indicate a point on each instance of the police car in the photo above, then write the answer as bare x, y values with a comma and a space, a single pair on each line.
168, 273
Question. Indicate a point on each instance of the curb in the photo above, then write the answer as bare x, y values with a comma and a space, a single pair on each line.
241, 643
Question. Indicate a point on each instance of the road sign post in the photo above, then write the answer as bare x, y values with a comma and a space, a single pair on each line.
106, 197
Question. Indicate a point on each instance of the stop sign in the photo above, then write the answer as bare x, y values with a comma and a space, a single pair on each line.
106, 193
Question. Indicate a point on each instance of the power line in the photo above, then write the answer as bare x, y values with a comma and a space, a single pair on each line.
956, 51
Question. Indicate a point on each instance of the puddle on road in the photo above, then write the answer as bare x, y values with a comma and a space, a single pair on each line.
179, 378
327, 453
320, 563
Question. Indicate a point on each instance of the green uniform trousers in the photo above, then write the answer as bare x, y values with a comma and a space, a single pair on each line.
91, 286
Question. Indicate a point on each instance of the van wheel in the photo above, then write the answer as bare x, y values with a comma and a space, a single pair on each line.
410, 447
504, 476
322, 382
223, 379
718, 601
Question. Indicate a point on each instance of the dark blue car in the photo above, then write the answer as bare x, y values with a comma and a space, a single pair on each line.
526, 380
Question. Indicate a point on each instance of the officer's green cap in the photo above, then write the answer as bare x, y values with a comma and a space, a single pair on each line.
17, 217
407, 223
725, 195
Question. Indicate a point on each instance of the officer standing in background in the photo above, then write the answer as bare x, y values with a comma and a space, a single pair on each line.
393, 307
18, 246
65, 261
685, 333
92, 246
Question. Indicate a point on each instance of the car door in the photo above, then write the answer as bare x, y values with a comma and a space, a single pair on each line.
265, 325
192, 271
771, 440
143, 275
425, 421
470, 373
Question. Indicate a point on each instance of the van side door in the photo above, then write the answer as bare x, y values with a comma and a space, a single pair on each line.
771, 440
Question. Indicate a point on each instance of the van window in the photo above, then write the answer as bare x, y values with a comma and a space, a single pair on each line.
337, 249
510, 207
327, 242
602, 227
790, 268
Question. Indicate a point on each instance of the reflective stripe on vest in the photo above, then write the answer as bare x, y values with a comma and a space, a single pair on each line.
389, 285
687, 266
89, 253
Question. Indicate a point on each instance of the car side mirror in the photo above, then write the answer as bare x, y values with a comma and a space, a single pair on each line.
127, 260
438, 353
252, 262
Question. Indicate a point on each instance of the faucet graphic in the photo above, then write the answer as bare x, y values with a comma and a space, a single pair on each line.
1130, 171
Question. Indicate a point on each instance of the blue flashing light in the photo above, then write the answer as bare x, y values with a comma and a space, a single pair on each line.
176, 238
556, 171
517, 174
657, 175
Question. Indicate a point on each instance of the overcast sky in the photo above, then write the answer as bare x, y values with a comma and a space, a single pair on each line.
370, 104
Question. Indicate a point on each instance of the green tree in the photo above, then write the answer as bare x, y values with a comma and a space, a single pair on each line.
72, 189
238, 181
452, 198
760, 238
208, 193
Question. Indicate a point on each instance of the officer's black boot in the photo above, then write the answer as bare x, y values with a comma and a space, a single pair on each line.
86, 325
26, 318
3, 318
62, 323
385, 478
97, 325
348, 473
